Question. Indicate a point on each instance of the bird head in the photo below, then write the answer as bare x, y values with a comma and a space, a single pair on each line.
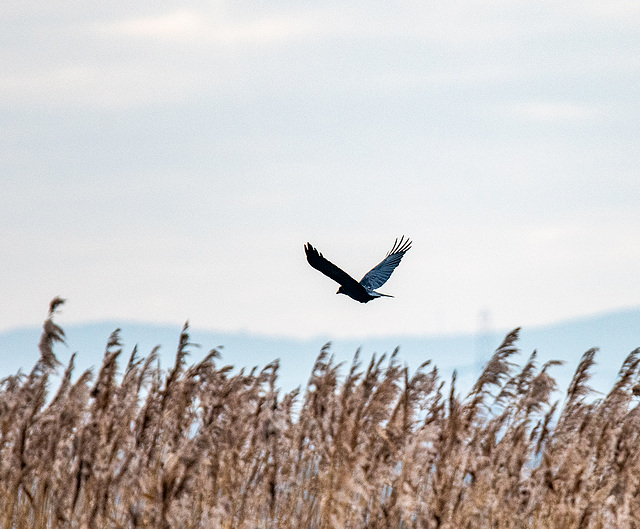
340, 290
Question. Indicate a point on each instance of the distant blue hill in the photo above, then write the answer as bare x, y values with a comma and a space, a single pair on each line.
616, 334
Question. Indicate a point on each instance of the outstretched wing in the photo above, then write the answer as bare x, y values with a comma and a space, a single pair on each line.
316, 260
378, 276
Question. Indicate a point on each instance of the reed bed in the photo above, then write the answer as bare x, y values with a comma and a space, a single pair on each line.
369, 445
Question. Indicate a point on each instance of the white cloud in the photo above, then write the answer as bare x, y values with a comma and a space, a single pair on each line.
622, 10
210, 27
549, 111
178, 23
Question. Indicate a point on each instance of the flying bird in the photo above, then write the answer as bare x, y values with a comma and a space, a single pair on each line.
363, 291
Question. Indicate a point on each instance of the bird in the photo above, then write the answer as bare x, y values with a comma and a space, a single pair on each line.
363, 291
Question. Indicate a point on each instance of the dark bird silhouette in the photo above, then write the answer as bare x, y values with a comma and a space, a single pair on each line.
376, 277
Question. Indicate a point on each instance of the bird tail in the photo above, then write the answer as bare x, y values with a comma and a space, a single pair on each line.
380, 294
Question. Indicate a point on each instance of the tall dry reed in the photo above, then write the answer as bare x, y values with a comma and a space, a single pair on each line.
369, 446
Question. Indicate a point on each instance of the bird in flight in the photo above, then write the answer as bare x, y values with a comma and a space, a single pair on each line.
376, 277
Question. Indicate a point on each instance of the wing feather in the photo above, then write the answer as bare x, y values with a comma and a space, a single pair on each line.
378, 275
325, 266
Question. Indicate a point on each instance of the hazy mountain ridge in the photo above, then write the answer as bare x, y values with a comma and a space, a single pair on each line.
615, 334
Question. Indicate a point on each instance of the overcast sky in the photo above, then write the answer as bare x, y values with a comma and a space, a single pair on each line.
167, 161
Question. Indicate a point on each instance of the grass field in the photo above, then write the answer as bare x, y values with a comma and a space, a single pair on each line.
362, 446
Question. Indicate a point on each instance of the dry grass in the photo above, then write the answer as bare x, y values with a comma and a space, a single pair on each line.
371, 446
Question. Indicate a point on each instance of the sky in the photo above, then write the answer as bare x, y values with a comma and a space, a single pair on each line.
167, 161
